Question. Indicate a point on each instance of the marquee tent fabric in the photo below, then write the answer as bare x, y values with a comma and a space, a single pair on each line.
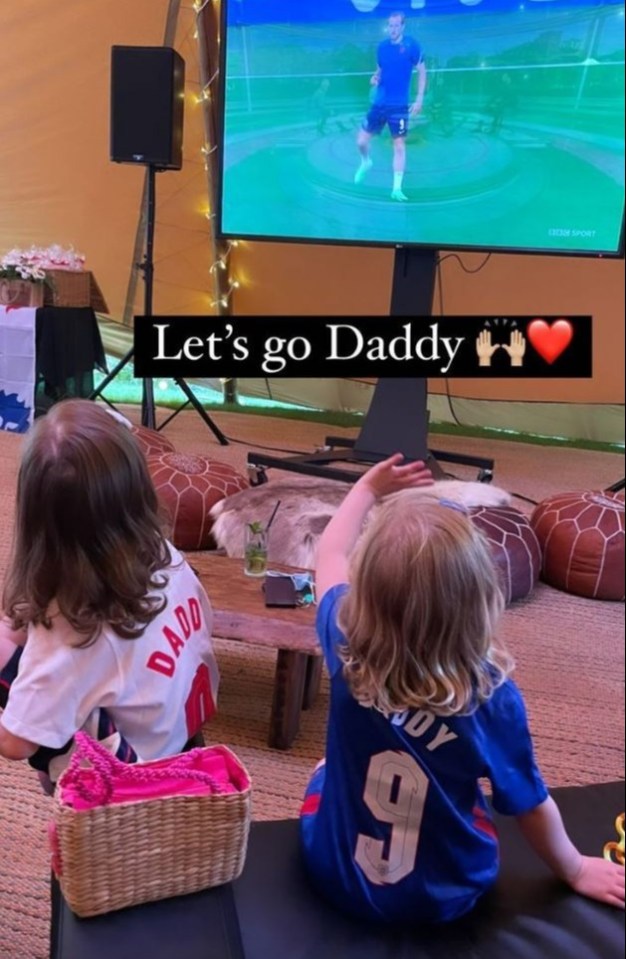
58, 186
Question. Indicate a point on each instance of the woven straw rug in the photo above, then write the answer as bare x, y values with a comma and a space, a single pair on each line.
569, 653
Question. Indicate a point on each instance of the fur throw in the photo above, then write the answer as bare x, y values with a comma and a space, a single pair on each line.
307, 505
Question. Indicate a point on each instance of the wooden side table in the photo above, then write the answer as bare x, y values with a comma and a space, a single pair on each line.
240, 614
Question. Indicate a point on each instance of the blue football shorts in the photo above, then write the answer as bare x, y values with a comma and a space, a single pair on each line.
380, 116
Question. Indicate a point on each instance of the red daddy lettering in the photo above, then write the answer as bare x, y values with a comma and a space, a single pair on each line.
189, 620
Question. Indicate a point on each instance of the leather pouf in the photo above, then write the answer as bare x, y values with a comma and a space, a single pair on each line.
582, 540
151, 442
514, 548
188, 486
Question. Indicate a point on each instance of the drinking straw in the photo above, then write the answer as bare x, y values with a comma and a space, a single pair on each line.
271, 520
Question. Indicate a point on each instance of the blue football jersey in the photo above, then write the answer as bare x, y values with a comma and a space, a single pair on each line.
394, 825
396, 62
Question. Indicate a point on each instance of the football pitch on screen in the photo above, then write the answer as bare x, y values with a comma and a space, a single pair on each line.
520, 142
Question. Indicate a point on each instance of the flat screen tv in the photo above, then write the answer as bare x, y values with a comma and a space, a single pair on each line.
468, 124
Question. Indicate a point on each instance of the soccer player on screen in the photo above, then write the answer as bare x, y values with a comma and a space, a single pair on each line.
397, 57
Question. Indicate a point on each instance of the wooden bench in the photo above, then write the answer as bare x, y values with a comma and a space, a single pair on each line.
272, 910
240, 613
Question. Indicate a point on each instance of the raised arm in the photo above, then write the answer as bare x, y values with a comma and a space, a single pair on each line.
340, 536
590, 876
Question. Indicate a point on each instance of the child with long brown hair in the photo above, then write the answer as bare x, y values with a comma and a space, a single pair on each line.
394, 825
114, 622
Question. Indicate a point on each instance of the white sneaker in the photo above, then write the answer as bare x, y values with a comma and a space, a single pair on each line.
366, 165
399, 196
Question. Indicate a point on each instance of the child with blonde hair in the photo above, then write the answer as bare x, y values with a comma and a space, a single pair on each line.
394, 825
113, 627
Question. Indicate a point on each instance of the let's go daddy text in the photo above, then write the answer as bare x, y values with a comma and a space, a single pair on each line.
208, 346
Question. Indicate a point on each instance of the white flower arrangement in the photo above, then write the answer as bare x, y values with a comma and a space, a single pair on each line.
32, 264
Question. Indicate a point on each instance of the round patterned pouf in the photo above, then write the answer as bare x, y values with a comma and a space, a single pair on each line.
514, 548
188, 486
151, 442
582, 541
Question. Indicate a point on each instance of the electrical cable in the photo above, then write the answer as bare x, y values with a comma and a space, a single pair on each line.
441, 313
527, 499
466, 269
272, 449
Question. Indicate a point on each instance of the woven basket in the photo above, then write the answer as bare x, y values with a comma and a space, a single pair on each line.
67, 288
73, 288
97, 300
118, 855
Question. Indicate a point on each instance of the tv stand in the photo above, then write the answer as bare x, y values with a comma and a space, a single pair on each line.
397, 419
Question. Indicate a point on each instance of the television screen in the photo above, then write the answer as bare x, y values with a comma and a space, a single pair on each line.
466, 124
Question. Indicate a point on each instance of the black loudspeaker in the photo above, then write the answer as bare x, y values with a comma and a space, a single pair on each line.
147, 106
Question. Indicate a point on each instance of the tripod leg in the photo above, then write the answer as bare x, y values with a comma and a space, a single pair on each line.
199, 408
148, 412
616, 487
111, 376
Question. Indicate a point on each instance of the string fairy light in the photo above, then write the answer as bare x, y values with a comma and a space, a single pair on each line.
224, 299
206, 89
225, 285
221, 263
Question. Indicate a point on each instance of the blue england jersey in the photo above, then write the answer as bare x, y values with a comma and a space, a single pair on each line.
394, 825
396, 62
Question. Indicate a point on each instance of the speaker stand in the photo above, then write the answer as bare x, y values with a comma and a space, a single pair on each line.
148, 411
397, 419
616, 487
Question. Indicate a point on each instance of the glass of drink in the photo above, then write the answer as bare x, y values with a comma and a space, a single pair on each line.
255, 549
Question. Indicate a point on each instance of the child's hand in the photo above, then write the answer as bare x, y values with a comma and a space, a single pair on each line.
390, 477
600, 879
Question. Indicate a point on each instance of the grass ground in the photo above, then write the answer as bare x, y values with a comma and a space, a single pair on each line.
125, 389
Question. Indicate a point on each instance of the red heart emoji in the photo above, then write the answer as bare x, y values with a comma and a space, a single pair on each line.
550, 341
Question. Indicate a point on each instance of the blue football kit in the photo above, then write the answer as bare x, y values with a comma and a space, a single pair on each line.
394, 824
396, 63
